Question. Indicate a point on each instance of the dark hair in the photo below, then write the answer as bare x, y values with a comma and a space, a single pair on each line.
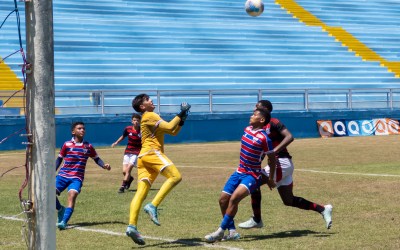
138, 100
137, 116
266, 104
74, 124
266, 114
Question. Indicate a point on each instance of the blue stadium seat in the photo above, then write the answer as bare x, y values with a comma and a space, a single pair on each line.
211, 44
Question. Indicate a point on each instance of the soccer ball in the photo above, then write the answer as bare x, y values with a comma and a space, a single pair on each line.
254, 7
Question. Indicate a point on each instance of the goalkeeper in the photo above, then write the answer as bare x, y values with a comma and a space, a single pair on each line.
152, 161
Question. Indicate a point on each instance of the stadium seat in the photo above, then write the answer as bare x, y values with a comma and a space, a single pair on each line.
210, 45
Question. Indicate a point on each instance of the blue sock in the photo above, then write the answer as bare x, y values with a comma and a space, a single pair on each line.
231, 226
68, 214
58, 204
226, 221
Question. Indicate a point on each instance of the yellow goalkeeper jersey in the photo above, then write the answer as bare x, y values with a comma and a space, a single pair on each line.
153, 128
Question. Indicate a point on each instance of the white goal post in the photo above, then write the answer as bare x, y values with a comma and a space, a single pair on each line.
41, 123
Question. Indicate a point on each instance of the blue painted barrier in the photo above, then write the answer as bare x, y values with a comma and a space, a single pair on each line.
104, 130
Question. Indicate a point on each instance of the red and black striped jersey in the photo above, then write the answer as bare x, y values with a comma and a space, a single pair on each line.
134, 140
273, 129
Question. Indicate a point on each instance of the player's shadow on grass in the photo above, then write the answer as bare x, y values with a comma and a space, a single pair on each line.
95, 223
151, 189
195, 242
285, 234
192, 242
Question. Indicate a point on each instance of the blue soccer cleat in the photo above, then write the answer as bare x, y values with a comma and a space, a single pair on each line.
62, 225
60, 214
133, 233
151, 210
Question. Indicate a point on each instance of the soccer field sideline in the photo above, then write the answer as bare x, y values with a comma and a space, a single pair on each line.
297, 169
307, 170
103, 231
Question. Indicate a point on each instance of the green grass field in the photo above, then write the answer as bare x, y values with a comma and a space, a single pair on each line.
359, 176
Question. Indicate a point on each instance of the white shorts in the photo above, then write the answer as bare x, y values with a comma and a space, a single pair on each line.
130, 159
283, 173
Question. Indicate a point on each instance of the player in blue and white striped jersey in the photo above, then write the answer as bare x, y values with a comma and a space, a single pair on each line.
71, 175
281, 137
255, 145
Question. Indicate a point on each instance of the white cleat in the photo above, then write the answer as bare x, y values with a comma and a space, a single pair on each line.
231, 236
327, 215
251, 224
213, 237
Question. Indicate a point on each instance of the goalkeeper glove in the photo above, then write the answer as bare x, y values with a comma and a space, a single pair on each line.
185, 107
183, 118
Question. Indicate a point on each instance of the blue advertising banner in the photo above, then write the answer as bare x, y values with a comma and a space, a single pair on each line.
337, 128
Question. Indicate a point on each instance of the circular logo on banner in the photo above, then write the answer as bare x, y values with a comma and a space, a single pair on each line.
393, 126
381, 127
353, 127
340, 128
325, 129
367, 127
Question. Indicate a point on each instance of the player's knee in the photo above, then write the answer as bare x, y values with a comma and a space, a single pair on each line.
288, 202
223, 201
176, 178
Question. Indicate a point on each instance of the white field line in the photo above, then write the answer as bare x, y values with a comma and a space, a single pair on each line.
296, 169
102, 148
304, 170
11, 218
358, 174
103, 231
301, 170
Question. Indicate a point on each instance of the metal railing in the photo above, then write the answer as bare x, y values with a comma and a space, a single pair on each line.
220, 101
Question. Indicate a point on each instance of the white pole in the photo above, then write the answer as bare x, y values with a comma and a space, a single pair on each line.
40, 112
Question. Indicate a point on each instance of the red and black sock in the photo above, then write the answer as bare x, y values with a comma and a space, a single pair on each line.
302, 203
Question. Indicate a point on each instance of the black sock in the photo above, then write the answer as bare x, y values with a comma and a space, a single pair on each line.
302, 203
256, 205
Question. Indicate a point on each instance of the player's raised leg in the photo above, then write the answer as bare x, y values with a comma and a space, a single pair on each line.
173, 178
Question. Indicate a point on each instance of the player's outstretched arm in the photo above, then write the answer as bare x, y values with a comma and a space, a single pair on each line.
117, 141
177, 129
173, 127
287, 139
107, 166
102, 164
185, 107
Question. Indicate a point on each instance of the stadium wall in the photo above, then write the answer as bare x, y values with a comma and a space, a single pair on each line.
104, 130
